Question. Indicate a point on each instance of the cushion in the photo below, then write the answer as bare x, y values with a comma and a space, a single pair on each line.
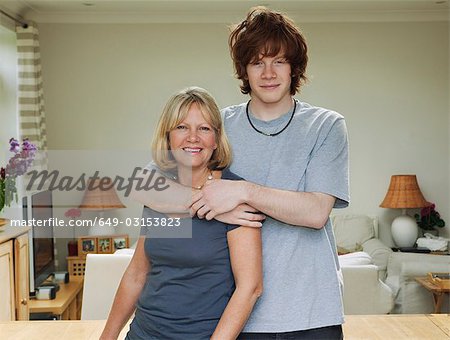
355, 259
343, 251
352, 230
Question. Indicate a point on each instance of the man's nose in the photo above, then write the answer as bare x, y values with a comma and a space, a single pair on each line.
268, 71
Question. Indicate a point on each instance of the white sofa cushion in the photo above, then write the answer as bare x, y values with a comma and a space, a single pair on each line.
351, 231
358, 258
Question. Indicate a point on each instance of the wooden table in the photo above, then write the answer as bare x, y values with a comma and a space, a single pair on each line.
438, 292
66, 305
397, 326
383, 327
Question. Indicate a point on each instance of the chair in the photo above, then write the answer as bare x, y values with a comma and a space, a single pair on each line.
410, 296
363, 265
101, 279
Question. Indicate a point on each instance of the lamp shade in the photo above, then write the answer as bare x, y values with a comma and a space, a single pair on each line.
404, 193
100, 195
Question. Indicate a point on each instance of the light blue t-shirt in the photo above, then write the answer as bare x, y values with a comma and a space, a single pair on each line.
302, 288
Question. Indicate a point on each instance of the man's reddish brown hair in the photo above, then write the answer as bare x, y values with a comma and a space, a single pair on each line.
267, 33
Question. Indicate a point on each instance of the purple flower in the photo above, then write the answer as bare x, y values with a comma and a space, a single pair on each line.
14, 145
27, 146
22, 159
425, 211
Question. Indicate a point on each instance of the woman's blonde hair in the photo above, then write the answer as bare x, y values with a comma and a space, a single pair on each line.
175, 111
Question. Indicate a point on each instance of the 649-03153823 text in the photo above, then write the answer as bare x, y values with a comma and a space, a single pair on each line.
100, 221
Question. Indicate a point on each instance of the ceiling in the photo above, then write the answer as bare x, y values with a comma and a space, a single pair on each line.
63, 11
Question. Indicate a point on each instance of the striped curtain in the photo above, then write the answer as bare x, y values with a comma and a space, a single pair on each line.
31, 94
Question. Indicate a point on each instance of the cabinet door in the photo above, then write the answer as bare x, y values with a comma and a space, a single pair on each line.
21, 270
7, 305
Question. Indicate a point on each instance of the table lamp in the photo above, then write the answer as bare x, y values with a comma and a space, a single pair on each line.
404, 193
100, 195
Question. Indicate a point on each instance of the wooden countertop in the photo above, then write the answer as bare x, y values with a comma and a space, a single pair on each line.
383, 327
8, 232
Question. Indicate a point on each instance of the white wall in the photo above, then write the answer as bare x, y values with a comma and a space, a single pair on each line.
8, 90
105, 85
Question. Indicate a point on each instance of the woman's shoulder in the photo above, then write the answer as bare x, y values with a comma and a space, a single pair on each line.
227, 174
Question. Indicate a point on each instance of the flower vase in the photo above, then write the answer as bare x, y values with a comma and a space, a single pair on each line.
72, 248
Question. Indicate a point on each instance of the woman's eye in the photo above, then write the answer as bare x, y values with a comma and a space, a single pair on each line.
205, 128
181, 127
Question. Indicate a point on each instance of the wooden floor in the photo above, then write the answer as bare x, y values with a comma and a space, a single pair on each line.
433, 327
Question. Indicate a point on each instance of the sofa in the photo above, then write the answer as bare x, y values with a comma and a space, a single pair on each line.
364, 260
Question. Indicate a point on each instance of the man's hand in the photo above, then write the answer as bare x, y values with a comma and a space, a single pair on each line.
218, 197
243, 215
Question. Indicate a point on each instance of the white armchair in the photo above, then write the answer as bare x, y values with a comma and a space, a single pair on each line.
364, 292
364, 267
360, 233
410, 296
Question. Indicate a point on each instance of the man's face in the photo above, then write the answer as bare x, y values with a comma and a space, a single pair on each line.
270, 79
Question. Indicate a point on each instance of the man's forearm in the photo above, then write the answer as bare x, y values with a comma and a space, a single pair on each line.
309, 209
175, 198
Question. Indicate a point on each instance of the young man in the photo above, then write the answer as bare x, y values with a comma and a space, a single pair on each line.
294, 158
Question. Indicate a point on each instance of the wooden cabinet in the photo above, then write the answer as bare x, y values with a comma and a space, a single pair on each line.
7, 301
22, 276
14, 269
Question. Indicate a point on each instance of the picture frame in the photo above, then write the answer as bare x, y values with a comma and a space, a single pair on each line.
87, 245
104, 245
120, 242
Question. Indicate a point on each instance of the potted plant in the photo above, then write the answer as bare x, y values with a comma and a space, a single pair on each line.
429, 219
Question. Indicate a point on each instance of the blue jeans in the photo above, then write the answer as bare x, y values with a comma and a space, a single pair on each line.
325, 333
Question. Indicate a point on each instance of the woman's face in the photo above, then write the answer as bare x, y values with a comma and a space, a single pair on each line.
193, 141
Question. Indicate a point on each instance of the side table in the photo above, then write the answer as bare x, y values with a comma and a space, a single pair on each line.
66, 305
438, 292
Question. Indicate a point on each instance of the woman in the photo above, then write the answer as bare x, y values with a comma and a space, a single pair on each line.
190, 288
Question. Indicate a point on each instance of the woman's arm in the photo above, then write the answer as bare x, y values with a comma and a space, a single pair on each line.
246, 261
130, 288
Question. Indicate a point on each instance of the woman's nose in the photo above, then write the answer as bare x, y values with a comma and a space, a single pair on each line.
193, 136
